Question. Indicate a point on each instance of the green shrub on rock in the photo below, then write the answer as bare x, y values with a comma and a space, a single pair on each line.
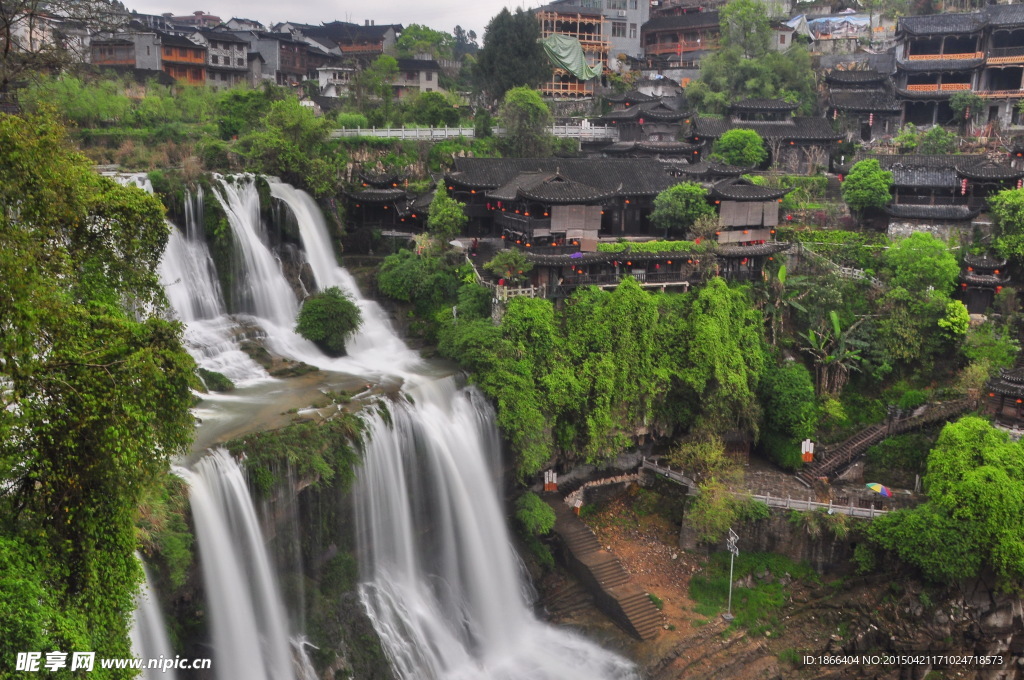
328, 319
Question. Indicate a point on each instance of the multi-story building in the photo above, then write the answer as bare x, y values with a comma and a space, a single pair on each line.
588, 26
197, 19
417, 75
286, 60
979, 52
227, 62
178, 57
364, 42
677, 41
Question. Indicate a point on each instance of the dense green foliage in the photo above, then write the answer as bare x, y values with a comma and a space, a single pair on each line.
744, 148
527, 121
327, 319
512, 55
727, 76
790, 412
445, 217
679, 206
922, 261
96, 393
744, 24
867, 186
1007, 208
655, 247
510, 265
534, 515
974, 517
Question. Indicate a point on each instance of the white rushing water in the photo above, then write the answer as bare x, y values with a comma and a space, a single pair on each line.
149, 631
248, 620
441, 581
443, 585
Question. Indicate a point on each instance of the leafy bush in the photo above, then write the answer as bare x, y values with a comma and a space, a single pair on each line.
535, 516
912, 399
328, 319
214, 381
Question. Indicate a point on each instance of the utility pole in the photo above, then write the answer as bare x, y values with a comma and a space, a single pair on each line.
733, 554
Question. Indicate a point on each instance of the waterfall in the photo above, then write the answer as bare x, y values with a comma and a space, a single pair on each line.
148, 633
442, 583
248, 620
190, 282
375, 347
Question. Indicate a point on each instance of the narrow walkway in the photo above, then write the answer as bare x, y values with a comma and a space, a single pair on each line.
833, 460
614, 591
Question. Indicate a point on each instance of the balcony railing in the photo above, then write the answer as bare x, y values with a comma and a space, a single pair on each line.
1000, 94
680, 47
940, 87
944, 57
1005, 55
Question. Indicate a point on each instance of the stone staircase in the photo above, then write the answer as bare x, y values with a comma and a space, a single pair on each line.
831, 461
602, 573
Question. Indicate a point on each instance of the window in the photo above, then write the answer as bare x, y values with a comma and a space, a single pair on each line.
241, 62
782, 38
616, 4
618, 29
147, 50
213, 59
633, 4
430, 76
632, 30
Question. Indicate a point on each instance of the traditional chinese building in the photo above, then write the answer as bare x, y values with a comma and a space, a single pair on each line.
796, 143
1004, 398
649, 127
381, 201
981, 279
671, 41
557, 275
747, 217
863, 103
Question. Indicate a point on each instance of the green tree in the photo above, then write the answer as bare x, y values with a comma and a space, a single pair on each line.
908, 138
445, 216
96, 391
512, 55
744, 24
374, 84
727, 76
1007, 207
679, 206
790, 412
974, 517
835, 352
744, 148
432, 108
956, 321
510, 265
867, 186
966, 106
527, 121
922, 261
328, 319
418, 39
937, 141
536, 517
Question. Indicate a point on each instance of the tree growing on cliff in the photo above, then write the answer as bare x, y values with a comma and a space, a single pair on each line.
527, 121
328, 319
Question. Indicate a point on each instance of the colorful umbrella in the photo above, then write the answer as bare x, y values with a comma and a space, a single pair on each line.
878, 488
576, 255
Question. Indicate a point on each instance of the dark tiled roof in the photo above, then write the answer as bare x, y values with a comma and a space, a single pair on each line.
379, 195
381, 180
987, 170
652, 147
555, 189
932, 212
984, 261
764, 105
632, 97
983, 279
798, 128
221, 36
867, 101
1009, 383
858, 77
941, 23
660, 108
919, 160
177, 41
344, 32
716, 168
568, 8
626, 176
924, 177
740, 190
688, 20
927, 65
110, 41
752, 251
1005, 15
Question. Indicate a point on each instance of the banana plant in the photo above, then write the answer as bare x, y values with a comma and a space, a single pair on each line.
835, 352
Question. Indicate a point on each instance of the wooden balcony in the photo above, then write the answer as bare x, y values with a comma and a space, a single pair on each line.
572, 89
1005, 55
940, 87
680, 47
944, 57
1000, 94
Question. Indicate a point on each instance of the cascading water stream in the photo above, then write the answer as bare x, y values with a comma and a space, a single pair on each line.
248, 620
442, 585
148, 631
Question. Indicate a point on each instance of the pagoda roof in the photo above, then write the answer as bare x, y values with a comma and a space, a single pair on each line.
915, 176
941, 24
1009, 383
381, 180
379, 195
988, 169
652, 147
623, 176
864, 101
855, 77
939, 64
557, 190
925, 94
983, 279
742, 190
984, 261
798, 128
631, 97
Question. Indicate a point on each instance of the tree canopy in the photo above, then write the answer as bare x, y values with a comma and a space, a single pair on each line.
328, 319
727, 76
418, 39
97, 391
512, 55
679, 206
744, 148
445, 217
1007, 207
527, 120
922, 261
744, 24
867, 186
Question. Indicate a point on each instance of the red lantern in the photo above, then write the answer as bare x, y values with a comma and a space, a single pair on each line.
963, 186
840, 178
871, 120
